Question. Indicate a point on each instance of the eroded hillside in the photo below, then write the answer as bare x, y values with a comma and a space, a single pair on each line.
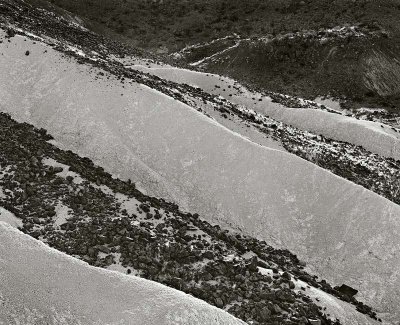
315, 60
139, 126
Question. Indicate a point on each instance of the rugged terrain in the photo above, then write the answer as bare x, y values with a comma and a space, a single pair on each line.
344, 49
259, 173
76, 207
40, 285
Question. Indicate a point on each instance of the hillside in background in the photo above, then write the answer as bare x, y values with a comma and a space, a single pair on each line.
345, 62
177, 23
361, 71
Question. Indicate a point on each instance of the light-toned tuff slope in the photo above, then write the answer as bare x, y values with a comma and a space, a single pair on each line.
373, 136
39, 285
347, 234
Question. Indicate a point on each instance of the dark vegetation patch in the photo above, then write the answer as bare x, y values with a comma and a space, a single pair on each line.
176, 23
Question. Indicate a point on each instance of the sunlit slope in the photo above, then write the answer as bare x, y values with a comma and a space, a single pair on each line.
346, 233
39, 285
373, 136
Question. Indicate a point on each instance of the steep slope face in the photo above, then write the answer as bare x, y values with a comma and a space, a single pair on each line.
382, 73
40, 285
314, 132
74, 206
375, 137
329, 222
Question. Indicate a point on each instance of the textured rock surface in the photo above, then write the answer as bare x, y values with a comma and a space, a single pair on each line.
346, 233
39, 285
382, 73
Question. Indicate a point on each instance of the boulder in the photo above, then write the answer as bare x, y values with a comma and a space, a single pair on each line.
219, 302
265, 314
346, 290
